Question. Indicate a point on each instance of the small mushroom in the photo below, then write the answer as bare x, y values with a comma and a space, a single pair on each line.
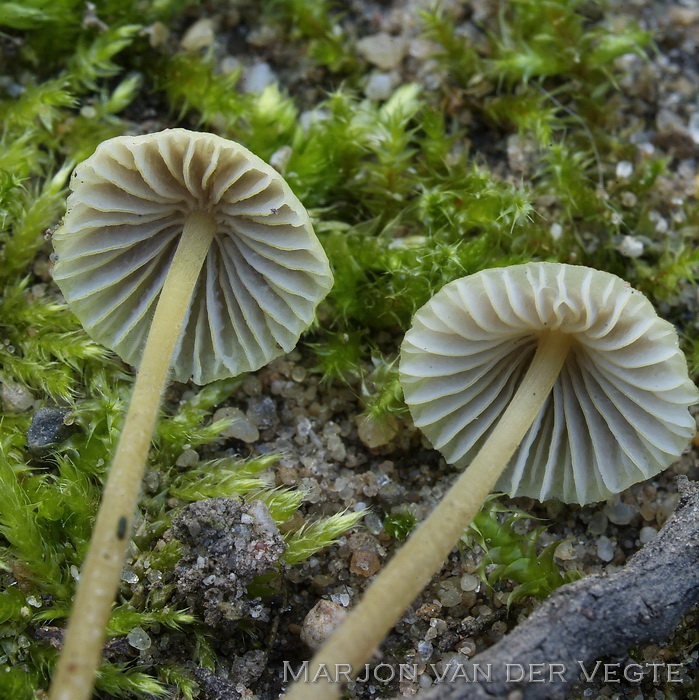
191, 257
617, 412
551, 380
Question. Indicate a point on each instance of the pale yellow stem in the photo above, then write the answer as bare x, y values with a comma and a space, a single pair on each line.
411, 569
100, 575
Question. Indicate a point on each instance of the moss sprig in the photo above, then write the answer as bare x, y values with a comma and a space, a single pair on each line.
510, 554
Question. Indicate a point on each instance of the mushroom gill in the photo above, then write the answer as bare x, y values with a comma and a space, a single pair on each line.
617, 413
263, 275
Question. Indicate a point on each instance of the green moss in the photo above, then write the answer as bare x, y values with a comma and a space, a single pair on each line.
399, 524
507, 554
406, 195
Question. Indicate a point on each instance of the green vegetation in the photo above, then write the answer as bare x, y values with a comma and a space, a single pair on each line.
399, 524
406, 194
511, 555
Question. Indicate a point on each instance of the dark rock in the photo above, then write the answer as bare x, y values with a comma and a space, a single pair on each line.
48, 428
262, 412
213, 687
227, 542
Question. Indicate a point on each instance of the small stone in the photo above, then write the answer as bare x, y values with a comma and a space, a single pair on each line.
379, 86
383, 50
449, 592
265, 35
199, 36
15, 397
262, 411
241, 427
469, 582
424, 650
279, 160
648, 509
212, 686
138, 638
336, 449
624, 169
189, 458
48, 428
364, 563
158, 34
683, 16
628, 199
667, 121
298, 374
661, 224
257, 77
598, 523
312, 116
231, 541
320, 622
647, 534
556, 231
693, 127
631, 247
620, 513
374, 432
565, 551
227, 65
373, 523
251, 385
128, 575
605, 549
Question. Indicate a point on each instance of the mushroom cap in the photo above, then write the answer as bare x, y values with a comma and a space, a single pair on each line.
618, 412
262, 278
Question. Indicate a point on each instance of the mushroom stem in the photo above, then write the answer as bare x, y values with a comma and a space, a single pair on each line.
99, 579
413, 566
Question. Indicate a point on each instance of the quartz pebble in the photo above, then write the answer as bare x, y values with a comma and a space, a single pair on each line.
138, 638
279, 160
320, 622
424, 650
262, 411
449, 593
469, 582
631, 247
375, 433
241, 428
128, 575
620, 513
379, 86
647, 534
694, 127
257, 77
364, 563
15, 397
383, 50
624, 169
565, 551
598, 523
189, 458
605, 549
199, 36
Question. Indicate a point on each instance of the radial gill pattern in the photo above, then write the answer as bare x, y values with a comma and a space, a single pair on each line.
618, 412
262, 278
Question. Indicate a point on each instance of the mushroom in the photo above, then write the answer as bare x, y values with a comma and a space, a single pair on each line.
552, 381
187, 255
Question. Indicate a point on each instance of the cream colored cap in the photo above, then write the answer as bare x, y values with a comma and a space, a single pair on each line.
263, 276
618, 412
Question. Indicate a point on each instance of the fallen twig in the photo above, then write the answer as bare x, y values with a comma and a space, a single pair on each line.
591, 618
